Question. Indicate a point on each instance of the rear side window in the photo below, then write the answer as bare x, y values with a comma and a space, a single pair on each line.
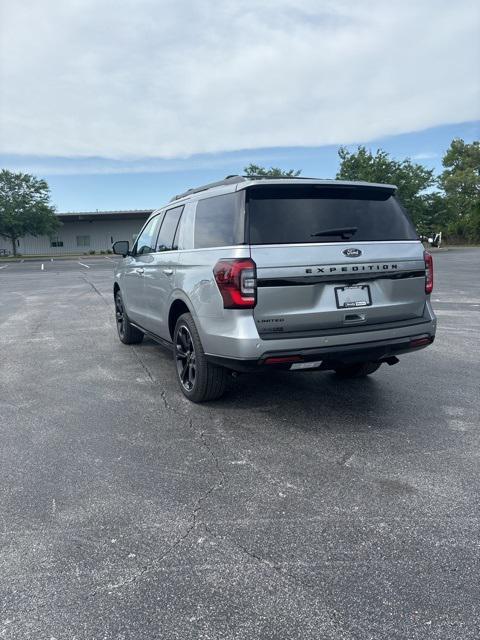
166, 236
325, 214
219, 221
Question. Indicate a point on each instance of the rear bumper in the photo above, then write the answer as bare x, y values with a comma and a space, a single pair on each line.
235, 337
332, 356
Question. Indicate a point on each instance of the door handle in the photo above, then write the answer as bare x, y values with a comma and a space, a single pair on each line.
168, 272
140, 271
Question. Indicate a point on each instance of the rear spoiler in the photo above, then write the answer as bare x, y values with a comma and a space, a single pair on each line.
334, 189
317, 182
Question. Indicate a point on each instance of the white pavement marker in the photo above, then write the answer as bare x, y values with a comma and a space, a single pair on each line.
42, 267
4, 266
84, 265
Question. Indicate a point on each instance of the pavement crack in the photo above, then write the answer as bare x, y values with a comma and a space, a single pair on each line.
275, 567
97, 291
194, 516
163, 395
151, 566
215, 458
156, 562
219, 470
286, 577
346, 459
150, 376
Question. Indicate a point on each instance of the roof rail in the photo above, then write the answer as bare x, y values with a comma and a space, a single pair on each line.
235, 179
210, 185
257, 176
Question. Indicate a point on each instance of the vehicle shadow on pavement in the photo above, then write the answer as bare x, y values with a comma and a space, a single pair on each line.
310, 400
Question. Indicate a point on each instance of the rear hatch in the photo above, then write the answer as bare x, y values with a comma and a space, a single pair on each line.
332, 257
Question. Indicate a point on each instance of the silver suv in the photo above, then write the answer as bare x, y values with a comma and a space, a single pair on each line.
249, 274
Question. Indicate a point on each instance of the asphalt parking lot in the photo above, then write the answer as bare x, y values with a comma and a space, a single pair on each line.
299, 506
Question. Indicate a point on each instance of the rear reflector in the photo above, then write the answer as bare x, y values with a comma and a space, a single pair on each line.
420, 342
282, 359
428, 272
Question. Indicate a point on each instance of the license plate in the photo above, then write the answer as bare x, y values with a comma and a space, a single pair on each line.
350, 297
305, 365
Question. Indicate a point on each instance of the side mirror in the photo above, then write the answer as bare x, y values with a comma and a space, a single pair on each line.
121, 248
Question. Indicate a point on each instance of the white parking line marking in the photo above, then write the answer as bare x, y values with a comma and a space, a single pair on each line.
5, 266
42, 267
107, 258
84, 265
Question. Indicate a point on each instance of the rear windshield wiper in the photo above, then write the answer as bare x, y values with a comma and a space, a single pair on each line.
344, 232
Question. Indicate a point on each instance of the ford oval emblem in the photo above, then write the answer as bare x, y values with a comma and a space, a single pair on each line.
352, 253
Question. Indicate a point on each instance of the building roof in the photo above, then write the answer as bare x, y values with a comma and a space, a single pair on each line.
130, 214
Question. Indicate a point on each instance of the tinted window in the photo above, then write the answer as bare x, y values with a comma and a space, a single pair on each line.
219, 221
147, 239
318, 214
168, 228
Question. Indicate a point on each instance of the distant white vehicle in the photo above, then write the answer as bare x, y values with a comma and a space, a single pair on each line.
434, 240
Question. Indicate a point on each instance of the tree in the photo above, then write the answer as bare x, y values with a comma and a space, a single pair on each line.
461, 183
412, 179
25, 207
435, 216
253, 171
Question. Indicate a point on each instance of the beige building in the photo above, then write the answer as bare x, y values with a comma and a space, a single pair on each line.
82, 232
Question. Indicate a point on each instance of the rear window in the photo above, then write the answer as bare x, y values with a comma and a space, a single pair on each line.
285, 215
219, 221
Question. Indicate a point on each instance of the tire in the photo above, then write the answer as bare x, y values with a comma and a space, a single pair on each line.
199, 380
127, 333
359, 370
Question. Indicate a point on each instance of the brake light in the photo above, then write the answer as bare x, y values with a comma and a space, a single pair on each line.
236, 279
428, 272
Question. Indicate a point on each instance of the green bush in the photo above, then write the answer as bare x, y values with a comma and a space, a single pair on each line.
465, 230
92, 252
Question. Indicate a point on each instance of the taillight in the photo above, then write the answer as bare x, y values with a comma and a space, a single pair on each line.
236, 279
428, 272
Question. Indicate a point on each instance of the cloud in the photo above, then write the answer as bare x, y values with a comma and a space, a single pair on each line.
150, 78
425, 155
51, 165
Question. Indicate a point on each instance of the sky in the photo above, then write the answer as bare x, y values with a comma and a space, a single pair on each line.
121, 104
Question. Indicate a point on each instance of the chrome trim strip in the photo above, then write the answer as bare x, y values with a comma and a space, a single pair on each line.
301, 244
338, 278
333, 244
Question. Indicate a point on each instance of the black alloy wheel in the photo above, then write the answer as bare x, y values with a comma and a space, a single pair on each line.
186, 358
127, 333
120, 315
199, 379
